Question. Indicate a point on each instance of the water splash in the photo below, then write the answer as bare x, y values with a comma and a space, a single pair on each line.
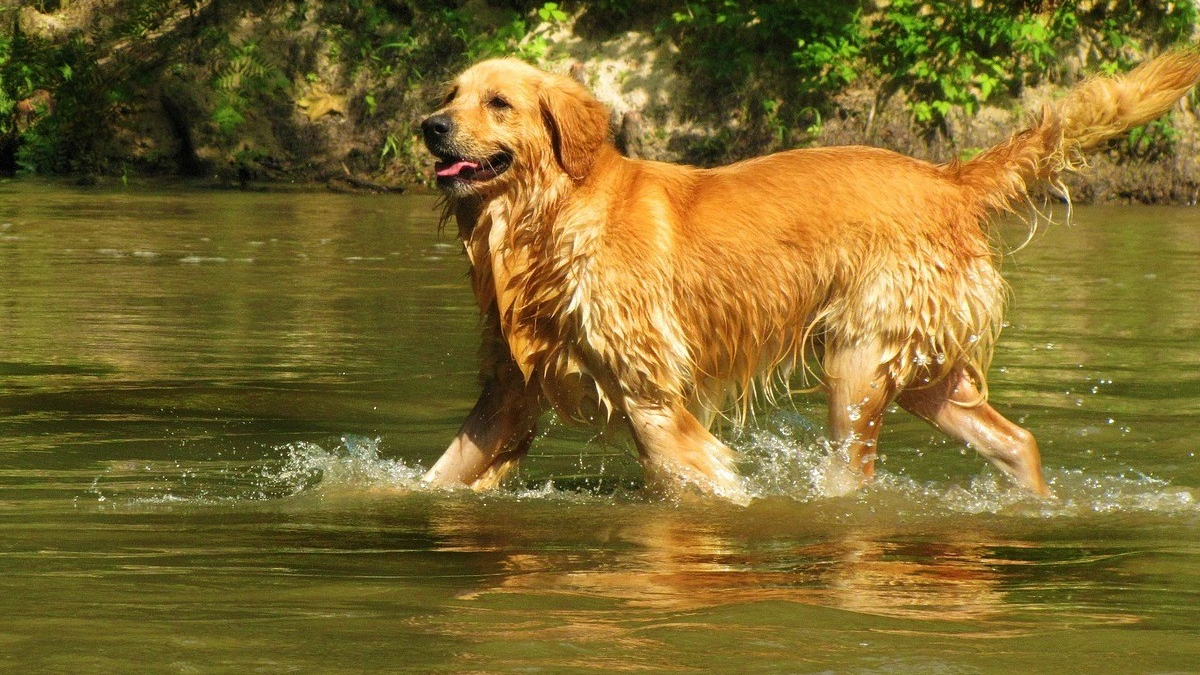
1081, 493
355, 468
789, 458
354, 465
785, 457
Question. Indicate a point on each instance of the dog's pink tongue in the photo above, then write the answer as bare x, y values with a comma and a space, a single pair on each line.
456, 168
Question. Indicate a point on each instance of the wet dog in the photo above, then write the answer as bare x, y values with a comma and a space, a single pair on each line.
658, 296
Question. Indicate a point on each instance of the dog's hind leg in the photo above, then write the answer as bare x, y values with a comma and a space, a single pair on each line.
859, 390
677, 452
494, 437
955, 406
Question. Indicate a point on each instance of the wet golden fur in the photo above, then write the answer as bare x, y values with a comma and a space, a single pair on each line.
659, 295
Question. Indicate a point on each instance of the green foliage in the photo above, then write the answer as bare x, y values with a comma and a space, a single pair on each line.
816, 45
391, 149
64, 140
953, 54
516, 35
771, 69
1117, 25
87, 78
6, 101
246, 77
949, 54
228, 117
782, 63
773, 66
551, 13
1153, 141
368, 34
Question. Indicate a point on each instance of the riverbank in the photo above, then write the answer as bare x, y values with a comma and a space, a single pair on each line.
330, 94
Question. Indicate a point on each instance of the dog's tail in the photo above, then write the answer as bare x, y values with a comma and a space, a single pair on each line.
1098, 109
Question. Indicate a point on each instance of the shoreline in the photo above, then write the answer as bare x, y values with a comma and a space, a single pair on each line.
329, 95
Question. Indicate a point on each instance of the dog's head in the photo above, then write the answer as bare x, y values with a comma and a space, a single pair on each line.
503, 121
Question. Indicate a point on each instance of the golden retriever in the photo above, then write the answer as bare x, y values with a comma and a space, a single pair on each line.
658, 296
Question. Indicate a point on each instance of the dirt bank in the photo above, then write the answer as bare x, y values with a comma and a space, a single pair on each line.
263, 92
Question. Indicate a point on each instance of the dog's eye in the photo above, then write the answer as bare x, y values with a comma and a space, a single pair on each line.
498, 103
449, 97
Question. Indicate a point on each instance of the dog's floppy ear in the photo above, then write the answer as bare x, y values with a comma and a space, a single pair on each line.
578, 124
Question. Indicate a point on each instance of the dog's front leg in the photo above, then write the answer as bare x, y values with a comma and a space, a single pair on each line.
494, 437
677, 452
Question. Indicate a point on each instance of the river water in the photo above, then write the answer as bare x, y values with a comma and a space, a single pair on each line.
215, 408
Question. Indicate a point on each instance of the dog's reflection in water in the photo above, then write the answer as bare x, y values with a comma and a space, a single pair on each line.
672, 562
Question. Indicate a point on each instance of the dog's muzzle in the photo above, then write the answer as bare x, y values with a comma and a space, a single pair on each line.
455, 169
438, 131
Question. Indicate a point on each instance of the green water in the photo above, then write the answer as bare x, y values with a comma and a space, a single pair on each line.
214, 408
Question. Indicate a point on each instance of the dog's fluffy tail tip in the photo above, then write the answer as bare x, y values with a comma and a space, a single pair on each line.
1100, 108
1103, 107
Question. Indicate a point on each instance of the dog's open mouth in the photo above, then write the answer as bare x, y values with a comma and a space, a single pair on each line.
451, 170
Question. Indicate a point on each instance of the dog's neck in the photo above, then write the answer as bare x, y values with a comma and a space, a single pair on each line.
534, 211
465, 211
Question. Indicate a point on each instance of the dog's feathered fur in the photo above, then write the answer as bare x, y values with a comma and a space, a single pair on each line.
659, 294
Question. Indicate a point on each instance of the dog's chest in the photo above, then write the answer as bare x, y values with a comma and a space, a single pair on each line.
539, 286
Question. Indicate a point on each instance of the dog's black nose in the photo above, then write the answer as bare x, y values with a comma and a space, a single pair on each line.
437, 128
